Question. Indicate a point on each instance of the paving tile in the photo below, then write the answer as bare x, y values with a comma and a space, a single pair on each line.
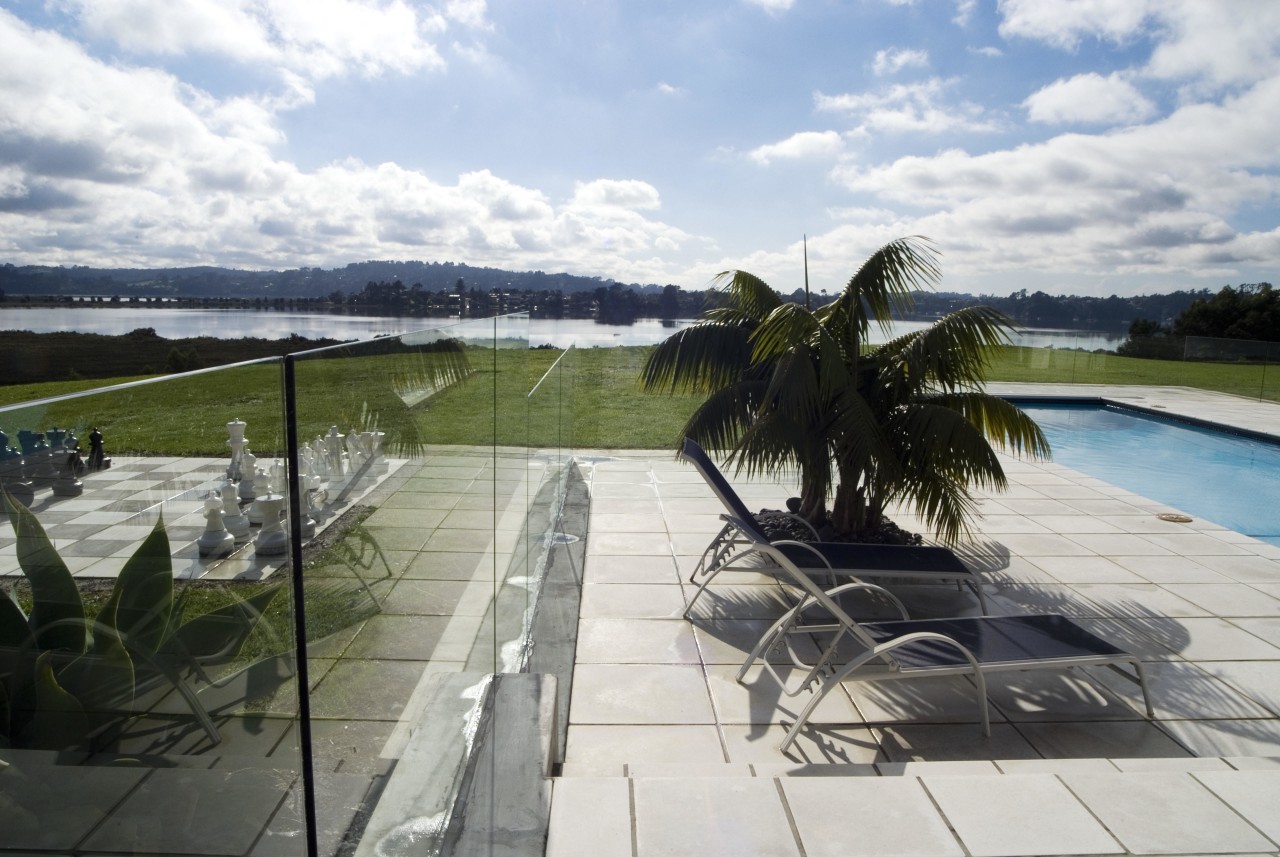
1182, 691
1054, 695
597, 744
670, 770
1027, 815
640, 694
1170, 569
816, 744
1208, 639
1267, 629
953, 742
589, 815
611, 544
794, 769
631, 601
729, 641
1055, 766
1184, 763
958, 768
888, 816
1100, 740
636, 641
630, 569
1253, 794
628, 523
926, 699
1245, 569
1225, 737
711, 817
759, 699
1086, 569
1258, 680
1227, 599
1191, 819
732, 601
1133, 600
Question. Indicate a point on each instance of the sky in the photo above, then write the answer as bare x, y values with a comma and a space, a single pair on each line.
1090, 147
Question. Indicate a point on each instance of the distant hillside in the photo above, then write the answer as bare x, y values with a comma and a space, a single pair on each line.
296, 283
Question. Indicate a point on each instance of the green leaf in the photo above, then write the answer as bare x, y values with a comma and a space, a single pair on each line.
15, 633
222, 632
141, 603
59, 721
57, 614
102, 680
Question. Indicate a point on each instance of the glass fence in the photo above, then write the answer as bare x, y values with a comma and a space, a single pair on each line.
1242, 367
406, 511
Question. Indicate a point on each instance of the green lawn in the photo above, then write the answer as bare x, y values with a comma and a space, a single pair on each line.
591, 399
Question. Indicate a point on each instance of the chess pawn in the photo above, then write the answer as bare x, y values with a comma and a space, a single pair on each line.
276, 480
235, 522
215, 541
374, 443
272, 540
248, 475
333, 449
320, 460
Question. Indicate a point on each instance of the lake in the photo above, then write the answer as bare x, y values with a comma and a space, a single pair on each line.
174, 323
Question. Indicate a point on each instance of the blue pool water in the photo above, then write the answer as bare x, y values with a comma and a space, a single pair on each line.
1224, 478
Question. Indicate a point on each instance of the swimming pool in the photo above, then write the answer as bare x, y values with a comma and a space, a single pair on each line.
1229, 479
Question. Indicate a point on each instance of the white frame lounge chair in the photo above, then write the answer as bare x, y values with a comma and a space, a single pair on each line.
972, 646
740, 534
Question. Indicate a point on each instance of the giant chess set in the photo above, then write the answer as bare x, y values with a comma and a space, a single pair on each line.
225, 519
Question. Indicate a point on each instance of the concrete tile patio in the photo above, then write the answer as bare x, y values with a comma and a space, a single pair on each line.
1072, 767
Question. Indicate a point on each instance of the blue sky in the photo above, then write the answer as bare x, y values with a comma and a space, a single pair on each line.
1072, 146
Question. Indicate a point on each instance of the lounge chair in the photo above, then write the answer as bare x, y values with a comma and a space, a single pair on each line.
741, 533
972, 646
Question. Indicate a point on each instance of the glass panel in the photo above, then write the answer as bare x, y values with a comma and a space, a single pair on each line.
148, 692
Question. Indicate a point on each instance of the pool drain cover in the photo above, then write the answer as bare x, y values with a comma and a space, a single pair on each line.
1174, 517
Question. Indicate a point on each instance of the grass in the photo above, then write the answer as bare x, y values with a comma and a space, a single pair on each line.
591, 399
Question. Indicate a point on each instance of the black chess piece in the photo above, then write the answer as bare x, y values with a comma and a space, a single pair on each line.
97, 461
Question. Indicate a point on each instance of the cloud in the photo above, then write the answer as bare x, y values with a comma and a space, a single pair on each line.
800, 146
773, 7
1151, 198
1215, 44
106, 164
1064, 23
916, 107
894, 60
1089, 98
313, 38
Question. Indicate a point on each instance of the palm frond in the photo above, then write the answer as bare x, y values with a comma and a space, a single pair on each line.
720, 421
700, 358
882, 287
748, 293
952, 353
999, 420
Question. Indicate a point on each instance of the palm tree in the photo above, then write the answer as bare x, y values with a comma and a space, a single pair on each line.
790, 387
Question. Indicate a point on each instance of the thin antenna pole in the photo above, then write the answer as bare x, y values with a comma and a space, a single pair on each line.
806, 273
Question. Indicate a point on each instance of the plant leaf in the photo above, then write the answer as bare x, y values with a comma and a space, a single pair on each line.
141, 603
59, 721
57, 613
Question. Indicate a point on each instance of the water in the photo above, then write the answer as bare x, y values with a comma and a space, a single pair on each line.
176, 323
1229, 480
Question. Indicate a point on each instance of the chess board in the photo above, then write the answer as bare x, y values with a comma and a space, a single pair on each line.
96, 532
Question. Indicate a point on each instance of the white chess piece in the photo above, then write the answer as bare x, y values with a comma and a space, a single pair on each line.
272, 540
215, 541
248, 476
232, 518
333, 449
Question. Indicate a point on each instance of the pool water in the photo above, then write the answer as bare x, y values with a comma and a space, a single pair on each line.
1220, 477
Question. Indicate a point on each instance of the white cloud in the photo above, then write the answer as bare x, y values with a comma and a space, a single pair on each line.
1153, 198
1213, 42
894, 60
801, 146
665, 88
1089, 98
1063, 23
964, 12
916, 107
773, 7
313, 38
111, 165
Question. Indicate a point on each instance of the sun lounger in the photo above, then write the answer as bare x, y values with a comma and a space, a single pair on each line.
879, 651
741, 533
